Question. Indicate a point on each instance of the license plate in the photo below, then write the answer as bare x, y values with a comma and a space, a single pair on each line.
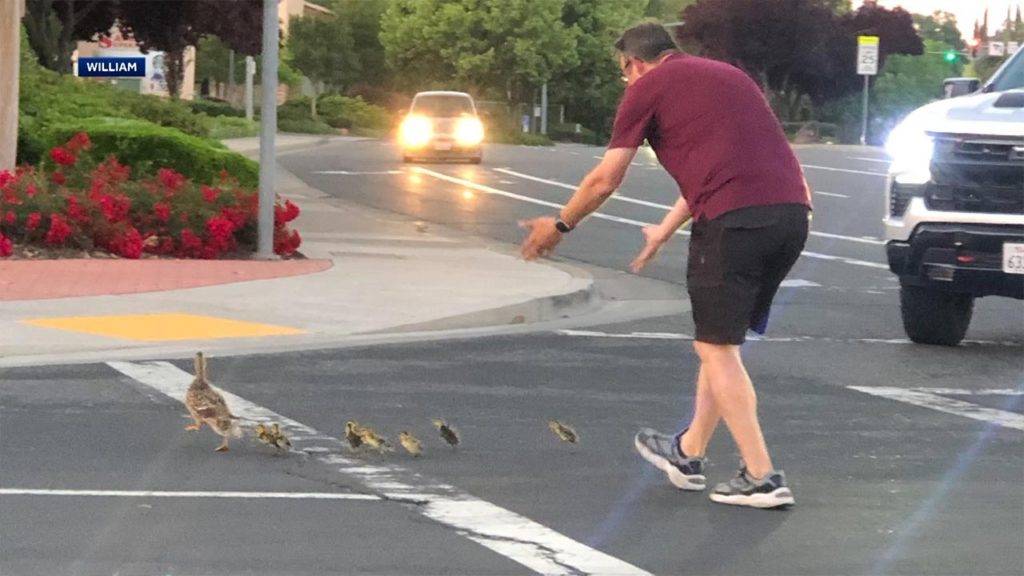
442, 146
1013, 258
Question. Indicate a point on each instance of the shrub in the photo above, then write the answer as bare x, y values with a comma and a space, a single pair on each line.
304, 126
169, 113
146, 147
71, 200
230, 127
567, 133
214, 108
345, 112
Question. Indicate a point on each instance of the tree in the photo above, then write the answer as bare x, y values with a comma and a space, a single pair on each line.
666, 10
365, 18
909, 82
591, 89
173, 25
490, 46
940, 27
54, 26
323, 49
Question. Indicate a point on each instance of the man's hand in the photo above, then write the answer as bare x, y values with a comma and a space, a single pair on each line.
654, 238
541, 238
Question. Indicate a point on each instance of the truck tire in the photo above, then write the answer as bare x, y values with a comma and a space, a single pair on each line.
934, 317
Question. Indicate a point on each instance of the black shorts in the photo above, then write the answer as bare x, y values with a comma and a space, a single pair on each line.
736, 264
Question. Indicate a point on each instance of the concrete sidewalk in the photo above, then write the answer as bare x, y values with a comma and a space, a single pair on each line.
367, 272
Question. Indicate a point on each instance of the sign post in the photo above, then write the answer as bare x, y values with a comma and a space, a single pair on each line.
867, 66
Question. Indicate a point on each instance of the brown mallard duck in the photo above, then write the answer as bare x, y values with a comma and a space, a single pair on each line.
207, 406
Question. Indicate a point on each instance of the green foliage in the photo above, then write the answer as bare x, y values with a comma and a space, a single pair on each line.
485, 46
567, 133
214, 108
322, 48
147, 147
666, 10
345, 112
223, 127
941, 27
304, 126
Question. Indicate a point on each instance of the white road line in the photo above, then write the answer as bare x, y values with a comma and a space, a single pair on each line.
918, 397
772, 339
982, 392
616, 196
832, 194
599, 157
866, 159
533, 545
497, 192
831, 169
189, 494
666, 207
347, 173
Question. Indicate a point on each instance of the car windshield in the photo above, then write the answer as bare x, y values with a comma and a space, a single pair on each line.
442, 105
1011, 76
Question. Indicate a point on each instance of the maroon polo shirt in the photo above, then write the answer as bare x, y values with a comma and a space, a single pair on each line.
714, 132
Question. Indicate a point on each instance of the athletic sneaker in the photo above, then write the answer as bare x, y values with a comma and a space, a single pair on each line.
744, 490
663, 451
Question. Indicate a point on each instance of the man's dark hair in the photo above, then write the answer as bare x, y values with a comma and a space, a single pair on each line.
646, 41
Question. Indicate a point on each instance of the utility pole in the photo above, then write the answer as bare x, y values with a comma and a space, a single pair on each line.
231, 74
268, 130
544, 108
250, 71
10, 60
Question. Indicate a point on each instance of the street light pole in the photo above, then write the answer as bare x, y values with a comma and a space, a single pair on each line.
864, 119
10, 59
544, 108
250, 71
268, 130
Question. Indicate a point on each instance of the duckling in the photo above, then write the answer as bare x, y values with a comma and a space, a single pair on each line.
450, 435
563, 431
278, 439
207, 406
411, 443
355, 440
370, 437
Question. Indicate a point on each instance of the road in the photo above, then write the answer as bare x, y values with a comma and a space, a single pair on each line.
904, 459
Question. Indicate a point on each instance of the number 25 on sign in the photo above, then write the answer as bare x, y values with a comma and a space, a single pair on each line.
867, 55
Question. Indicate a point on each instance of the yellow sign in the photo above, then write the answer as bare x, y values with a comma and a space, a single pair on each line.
867, 40
163, 327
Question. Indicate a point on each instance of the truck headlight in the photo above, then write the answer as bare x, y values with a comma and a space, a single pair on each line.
415, 131
469, 131
911, 149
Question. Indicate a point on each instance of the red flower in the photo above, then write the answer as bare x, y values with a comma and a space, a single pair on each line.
191, 244
210, 194
286, 243
114, 208
6, 178
75, 211
129, 244
10, 218
286, 213
162, 211
6, 248
79, 142
170, 179
31, 190
32, 222
58, 178
62, 156
59, 230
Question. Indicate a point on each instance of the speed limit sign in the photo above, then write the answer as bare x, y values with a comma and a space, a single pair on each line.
867, 55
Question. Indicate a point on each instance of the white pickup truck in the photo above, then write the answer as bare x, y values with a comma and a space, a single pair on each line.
954, 220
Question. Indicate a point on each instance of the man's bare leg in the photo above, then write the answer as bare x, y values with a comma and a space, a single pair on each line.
705, 419
736, 400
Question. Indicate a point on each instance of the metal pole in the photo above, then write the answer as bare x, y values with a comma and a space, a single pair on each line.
268, 129
544, 108
250, 71
864, 121
231, 74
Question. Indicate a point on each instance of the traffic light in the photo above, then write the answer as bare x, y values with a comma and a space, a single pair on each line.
950, 56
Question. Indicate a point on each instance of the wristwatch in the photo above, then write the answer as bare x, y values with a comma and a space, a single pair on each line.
562, 227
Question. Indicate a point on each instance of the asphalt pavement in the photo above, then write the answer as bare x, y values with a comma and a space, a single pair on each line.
904, 459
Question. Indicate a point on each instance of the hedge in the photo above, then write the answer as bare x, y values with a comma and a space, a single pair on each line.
147, 147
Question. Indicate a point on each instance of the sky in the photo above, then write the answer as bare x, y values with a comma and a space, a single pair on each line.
966, 11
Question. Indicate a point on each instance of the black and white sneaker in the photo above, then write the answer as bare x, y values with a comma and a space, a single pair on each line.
745, 490
663, 451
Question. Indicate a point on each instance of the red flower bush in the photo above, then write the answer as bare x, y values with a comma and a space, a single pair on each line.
72, 200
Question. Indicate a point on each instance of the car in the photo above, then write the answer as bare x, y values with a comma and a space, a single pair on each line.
442, 126
954, 220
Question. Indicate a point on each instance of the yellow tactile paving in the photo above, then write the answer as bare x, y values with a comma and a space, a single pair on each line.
161, 327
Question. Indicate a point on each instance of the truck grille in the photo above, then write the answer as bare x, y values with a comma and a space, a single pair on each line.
977, 174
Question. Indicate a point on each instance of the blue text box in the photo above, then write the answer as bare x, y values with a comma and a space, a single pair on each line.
112, 67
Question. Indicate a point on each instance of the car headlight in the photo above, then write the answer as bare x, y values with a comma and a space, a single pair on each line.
469, 131
911, 149
415, 131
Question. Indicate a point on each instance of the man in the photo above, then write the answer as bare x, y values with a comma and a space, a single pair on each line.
713, 131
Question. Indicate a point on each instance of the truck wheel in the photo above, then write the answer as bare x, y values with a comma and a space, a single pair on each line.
934, 317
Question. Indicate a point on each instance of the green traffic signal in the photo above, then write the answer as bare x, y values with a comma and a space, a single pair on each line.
950, 56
